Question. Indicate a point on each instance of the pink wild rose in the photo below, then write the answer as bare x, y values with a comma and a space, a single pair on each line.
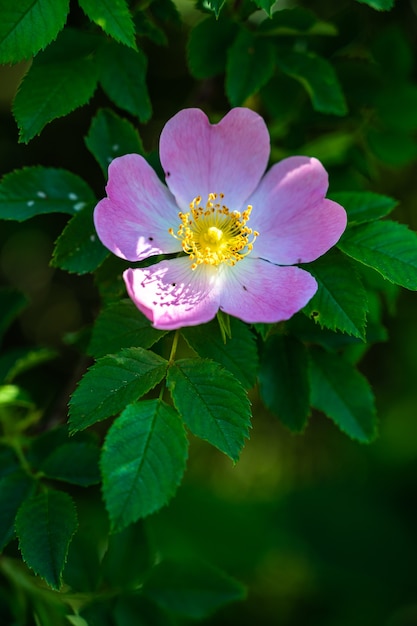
238, 230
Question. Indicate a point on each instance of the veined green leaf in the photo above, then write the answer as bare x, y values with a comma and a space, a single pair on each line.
388, 247
192, 589
143, 461
111, 136
123, 78
78, 249
212, 403
114, 17
28, 26
112, 383
238, 355
122, 325
343, 394
250, 64
283, 378
36, 190
318, 78
59, 80
45, 525
15, 488
364, 206
340, 302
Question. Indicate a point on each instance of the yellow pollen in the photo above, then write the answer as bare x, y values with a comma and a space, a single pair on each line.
213, 234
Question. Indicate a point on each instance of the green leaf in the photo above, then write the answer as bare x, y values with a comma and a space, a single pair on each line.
119, 326
111, 136
317, 77
295, 21
12, 302
379, 5
45, 525
15, 488
208, 45
118, 569
388, 247
60, 79
123, 78
215, 6
143, 461
364, 206
19, 360
112, 383
250, 65
75, 462
192, 589
38, 190
238, 355
28, 26
266, 5
78, 249
340, 302
114, 17
129, 606
283, 378
343, 394
212, 403
391, 146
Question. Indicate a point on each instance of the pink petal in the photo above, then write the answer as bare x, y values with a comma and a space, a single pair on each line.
172, 295
229, 157
295, 223
258, 291
134, 219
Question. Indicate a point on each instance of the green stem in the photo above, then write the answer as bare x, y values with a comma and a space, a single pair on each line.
174, 347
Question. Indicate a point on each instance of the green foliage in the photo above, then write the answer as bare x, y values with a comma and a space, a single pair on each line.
142, 466
284, 382
379, 5
37, 190
114, 17
15, 488
28, 26
212, 402
45, 525
364, 206
208, 45
112, 383
344, 395
12, 302
60, 79
60, 465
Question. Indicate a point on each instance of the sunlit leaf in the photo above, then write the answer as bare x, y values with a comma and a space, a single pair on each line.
113, 16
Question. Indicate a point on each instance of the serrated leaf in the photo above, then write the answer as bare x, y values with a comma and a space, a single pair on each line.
208, 45
114, 17
123, 78
112, 383
75, 462
12, 302
190, 588
45, 525
318, 78
364, 206
238, 355
211, 402
59, 80
119, 326
78, 249
343, 394
215, 6
284, 383
340, 302
379, 5
15, 488
36, 190
28, 26
143, 461
111, 136
250, 64
388, 247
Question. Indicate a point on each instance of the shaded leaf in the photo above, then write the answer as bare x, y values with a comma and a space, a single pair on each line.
113, 16
112, 383
143, 461
212, 403
15, 488
12, 302
45, 525
364, 206
379, 5
208, 45
75, 462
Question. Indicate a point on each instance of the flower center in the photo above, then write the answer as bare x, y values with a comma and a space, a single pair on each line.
213, 234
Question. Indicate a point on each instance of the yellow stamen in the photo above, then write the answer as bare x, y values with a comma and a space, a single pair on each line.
214, 234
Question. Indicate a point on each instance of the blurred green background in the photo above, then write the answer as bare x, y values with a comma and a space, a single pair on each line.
323, 531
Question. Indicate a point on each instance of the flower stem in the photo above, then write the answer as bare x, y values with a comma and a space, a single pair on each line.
174, 347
